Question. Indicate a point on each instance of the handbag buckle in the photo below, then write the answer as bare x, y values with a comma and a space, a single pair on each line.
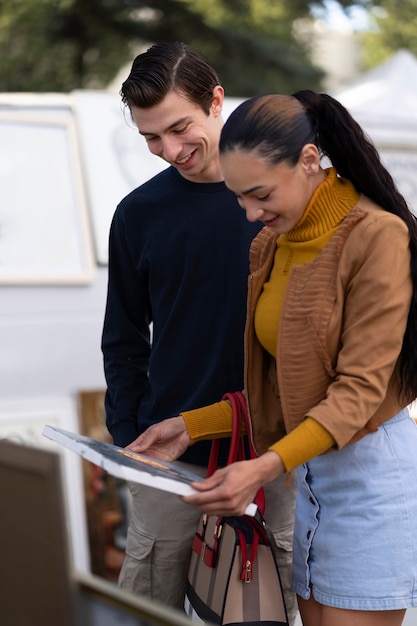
217, 531
248, 572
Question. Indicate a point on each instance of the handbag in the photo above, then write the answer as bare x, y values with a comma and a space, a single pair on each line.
233, 576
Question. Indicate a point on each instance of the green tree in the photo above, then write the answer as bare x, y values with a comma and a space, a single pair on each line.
393, 27
61, 45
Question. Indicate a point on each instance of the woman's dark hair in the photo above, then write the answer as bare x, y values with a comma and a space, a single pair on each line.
276, 128
165, 67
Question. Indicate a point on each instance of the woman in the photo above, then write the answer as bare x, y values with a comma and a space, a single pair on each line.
331, 362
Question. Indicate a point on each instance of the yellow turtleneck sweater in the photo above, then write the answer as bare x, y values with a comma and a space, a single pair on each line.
300, 245
331, 202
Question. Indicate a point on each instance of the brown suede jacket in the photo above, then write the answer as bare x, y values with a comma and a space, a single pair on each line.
340, 332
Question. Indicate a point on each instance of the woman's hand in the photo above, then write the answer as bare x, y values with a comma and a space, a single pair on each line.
165, 441
230, 489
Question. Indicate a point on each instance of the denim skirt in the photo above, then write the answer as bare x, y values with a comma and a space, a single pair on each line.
355, 538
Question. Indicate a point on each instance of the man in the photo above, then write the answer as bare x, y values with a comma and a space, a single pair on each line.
178, 259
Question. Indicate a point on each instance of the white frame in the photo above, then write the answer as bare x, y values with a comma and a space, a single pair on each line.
116, 159
23, 422
45, 236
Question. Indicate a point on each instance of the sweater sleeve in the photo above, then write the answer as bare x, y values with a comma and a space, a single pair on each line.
306, 441
210, 422
125, 338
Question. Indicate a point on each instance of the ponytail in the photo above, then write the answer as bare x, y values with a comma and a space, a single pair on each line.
351, 152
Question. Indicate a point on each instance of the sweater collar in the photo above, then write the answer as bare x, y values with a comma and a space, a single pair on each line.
333, 199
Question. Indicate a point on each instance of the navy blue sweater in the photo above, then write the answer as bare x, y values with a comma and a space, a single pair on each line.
178, 258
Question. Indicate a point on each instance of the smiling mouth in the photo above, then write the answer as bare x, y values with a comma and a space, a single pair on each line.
184, 160
273, 219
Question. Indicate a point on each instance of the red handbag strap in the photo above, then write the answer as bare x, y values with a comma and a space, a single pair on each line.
236, 451
237, 445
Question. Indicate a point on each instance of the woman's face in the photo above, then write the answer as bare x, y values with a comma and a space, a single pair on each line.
276, 195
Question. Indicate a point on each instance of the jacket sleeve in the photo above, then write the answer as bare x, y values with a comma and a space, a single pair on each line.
125, 338
375, 288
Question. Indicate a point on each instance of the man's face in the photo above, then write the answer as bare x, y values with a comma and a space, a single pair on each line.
181, 133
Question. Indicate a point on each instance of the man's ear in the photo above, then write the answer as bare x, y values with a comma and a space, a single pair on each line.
310, 158
217, 102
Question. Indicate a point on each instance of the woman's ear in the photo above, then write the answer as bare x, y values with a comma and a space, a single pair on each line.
310, 159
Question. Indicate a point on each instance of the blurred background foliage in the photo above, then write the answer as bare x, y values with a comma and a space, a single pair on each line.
392, 26
257, 46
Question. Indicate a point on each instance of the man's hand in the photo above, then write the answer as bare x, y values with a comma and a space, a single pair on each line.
165, 441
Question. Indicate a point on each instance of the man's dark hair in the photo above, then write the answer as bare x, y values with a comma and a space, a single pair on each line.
165, 67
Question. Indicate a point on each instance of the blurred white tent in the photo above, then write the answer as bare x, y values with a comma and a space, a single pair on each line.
384, 102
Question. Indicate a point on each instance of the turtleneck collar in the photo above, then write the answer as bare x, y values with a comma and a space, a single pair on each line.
333, 199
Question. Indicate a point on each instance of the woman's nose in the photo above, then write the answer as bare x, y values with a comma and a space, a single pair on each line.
253, 212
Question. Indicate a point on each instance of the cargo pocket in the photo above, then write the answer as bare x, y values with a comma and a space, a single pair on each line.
136, 572
283, 539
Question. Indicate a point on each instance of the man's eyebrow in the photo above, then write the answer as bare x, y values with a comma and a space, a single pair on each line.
178, 122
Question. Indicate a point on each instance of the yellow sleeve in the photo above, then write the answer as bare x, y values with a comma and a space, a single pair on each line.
210, 422
306, 441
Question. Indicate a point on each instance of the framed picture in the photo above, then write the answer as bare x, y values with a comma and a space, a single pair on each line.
44, 225
107, 499
116, 159
22, 422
